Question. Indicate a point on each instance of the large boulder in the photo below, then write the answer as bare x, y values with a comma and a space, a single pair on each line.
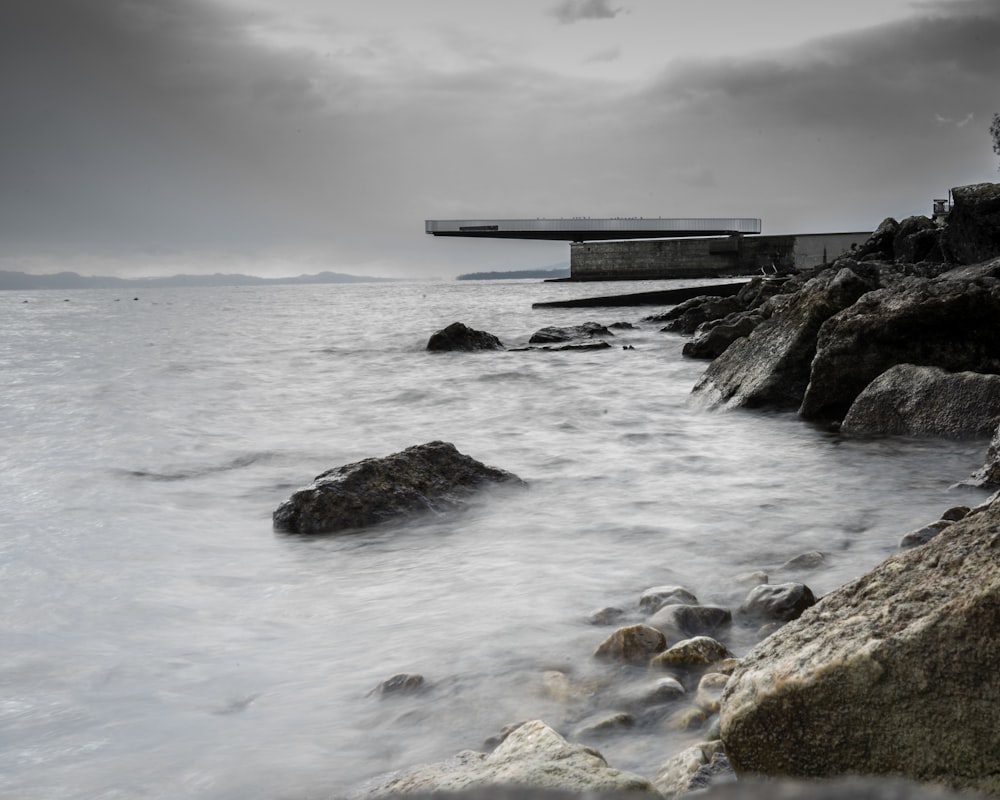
896, 673
937, 322
916, 240
533, 756
427, 477
880, 244
770, 367
908, 400
972, 232
459, 336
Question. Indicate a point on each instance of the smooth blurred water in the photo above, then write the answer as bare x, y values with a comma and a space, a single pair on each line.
160, 640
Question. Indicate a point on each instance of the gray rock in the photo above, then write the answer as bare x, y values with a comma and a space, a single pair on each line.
770, 367
927, 322
657, 596
687, 316
553, 334
880, 244
676, 621
918, 239
676, 775
459, 336
925, 534
777, 602
694, 654
711, 342
403, 683
989, 475
428, 477
533, 756
895, 673
972, 233
907, 400
631, 644
813, 559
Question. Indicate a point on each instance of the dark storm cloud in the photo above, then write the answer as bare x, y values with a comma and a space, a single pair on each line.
570, 11
143, 122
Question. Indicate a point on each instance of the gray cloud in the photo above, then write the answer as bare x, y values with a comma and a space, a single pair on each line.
139, 126
570, 11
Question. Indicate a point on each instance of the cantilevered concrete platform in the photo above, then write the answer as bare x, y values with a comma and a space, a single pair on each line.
584, 229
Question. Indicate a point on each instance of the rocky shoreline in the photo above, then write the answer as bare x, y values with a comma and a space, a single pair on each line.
895, 675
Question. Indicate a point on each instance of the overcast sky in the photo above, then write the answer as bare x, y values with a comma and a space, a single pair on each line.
155, 136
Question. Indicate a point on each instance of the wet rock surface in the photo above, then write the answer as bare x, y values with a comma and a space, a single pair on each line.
428, 477
908, 400
459, 336
865, 679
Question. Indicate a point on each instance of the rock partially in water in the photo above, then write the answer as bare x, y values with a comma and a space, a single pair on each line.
779, 602
712, 341
554, 334
428, 477
895, 673
677, 621
941, 322
687, 316
652, 599
770, 367
908, 400
696, 653
925, 534
633, 644
989, 475
403, 683
533, 756
695, 771
459, 336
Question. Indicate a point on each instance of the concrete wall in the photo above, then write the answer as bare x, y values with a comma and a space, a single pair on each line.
700, 257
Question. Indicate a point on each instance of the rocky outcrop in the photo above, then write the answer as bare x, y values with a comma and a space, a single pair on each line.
908, 400
427, 477
687, 316
896, 673
459, 336
532, 756
989, 475
972, 232
938, 322
770, 367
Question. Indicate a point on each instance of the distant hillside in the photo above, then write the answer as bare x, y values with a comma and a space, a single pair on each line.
71, 280
545, 273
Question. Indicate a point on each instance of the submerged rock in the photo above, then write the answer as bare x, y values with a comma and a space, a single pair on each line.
459, 336
428, 477
895, 673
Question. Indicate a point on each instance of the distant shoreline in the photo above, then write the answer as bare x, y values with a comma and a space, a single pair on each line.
22, 281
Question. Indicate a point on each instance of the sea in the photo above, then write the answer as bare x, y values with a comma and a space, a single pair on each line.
160, 639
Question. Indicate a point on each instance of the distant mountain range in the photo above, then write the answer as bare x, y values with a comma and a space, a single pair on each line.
71, 280
546, 273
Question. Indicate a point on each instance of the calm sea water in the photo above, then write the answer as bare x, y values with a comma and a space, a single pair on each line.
160, 640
